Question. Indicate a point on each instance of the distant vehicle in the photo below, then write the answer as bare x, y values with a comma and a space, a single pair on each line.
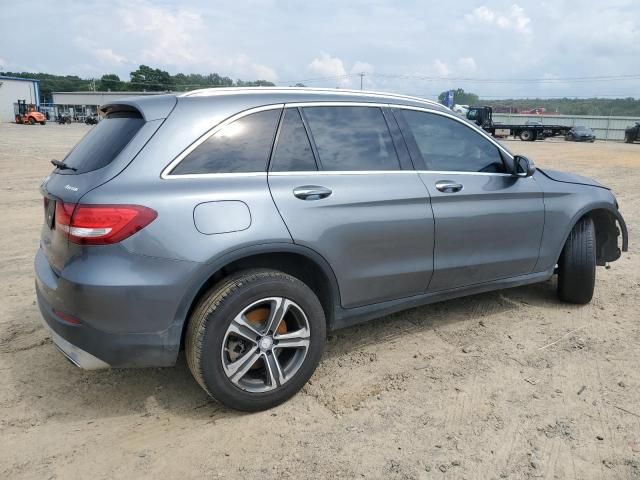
63, 119
27, 113
580, 134
632, 134
462, 109
91, 120
530, 131
245, 234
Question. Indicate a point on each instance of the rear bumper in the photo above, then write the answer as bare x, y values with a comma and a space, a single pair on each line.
132, 324
76, 355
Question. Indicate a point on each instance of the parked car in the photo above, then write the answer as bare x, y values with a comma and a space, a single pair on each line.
91, 119
632, 134
580, 134
243, 224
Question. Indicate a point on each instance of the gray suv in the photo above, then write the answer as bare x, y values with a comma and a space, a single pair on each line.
243, 224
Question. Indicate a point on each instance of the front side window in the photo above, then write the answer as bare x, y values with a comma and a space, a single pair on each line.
449, 145
293, 151
352, 138
241, 146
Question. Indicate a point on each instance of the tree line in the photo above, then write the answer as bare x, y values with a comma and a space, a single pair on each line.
145, 78
623, 107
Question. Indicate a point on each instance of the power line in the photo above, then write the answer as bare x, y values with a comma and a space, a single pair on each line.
599, 78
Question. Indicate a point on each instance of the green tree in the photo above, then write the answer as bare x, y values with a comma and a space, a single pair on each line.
460, 97
152, 79
110, 83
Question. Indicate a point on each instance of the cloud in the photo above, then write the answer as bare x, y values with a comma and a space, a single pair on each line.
170, 35
262, 72
327, 66
108, 56
441, 68
515, 19
362, 67
471, 39
335, 71
467, 65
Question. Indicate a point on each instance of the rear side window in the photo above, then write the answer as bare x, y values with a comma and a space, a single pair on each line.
293, 151
352, 138
104, 142
241, 146
449, 145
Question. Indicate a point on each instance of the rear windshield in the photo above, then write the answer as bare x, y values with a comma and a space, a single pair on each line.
104, 142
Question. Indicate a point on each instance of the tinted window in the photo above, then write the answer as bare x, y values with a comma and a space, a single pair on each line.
449, 145
104, 142
241, 146
293, 151
352, 138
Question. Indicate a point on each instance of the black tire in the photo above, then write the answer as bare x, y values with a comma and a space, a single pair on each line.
577, 264
44, 122
526, 135
627, 138
209, 324
32, 121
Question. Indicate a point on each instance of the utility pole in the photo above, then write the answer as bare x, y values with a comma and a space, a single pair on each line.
361, 77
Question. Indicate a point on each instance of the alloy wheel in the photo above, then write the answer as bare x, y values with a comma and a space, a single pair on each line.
265, 344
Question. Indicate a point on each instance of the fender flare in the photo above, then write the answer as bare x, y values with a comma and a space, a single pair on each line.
209, 268
597, 206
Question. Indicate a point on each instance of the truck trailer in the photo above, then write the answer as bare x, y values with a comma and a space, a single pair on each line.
483, 117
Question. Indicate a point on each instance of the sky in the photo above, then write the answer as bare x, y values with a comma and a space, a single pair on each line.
493, 48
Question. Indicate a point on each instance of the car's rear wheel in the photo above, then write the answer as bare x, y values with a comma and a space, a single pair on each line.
577, 264
255, 339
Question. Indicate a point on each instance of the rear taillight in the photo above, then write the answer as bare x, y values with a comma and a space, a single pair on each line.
101, 224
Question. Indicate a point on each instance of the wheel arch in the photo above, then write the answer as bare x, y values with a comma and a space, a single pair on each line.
301, 262
606, 219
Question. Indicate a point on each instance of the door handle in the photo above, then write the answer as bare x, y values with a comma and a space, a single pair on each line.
311, 192
448, 186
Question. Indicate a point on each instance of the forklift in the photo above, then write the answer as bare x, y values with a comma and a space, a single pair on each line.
27, 113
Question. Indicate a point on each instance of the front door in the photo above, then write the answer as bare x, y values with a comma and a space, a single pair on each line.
346, 195
488, 224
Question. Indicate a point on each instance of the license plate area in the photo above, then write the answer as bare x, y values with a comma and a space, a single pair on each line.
49, 212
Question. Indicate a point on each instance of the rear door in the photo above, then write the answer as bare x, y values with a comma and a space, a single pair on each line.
488, 223
342, 180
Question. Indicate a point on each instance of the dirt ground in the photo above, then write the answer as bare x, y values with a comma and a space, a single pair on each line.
509, 384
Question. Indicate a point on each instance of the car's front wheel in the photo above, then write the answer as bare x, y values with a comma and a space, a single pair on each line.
577, 264
255, 339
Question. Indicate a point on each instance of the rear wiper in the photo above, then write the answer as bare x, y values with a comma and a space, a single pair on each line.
62, 165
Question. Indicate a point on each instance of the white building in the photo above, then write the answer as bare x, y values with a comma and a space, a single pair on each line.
13, 89
80, 104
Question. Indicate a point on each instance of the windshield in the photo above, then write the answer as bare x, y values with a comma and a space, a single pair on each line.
582, 129
103, 143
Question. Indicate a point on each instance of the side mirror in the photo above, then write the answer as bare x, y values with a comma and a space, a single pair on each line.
523, 167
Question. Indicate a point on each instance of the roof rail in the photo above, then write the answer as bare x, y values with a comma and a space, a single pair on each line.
206, 92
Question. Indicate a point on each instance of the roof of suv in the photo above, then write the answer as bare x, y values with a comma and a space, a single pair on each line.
309, 94
159, 106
